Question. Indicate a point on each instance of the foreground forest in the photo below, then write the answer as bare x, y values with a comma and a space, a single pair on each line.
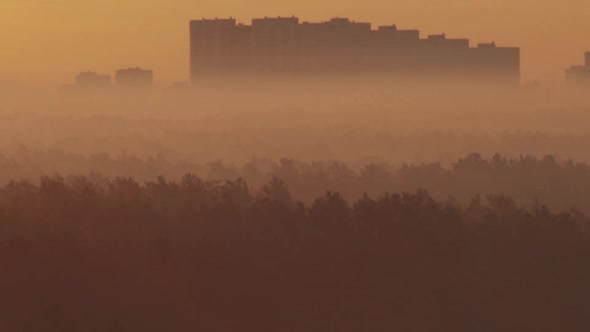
202, 255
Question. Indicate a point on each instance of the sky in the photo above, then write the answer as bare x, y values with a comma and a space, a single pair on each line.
46, 42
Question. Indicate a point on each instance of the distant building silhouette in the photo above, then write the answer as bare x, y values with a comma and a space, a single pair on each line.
579, 74
135, 78
284, 45
91, 80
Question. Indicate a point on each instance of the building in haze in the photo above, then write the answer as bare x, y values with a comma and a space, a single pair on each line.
339, 46
91, 81
580, 74
135, 78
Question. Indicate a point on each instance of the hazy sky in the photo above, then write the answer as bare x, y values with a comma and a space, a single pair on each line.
49, 41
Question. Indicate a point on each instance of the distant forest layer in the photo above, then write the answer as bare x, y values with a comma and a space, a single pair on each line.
96, 254
353, 122
560, 184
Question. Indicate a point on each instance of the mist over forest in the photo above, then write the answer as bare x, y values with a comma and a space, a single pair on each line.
308, 120
302, 205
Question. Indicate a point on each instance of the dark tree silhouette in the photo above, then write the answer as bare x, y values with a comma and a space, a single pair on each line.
88, 253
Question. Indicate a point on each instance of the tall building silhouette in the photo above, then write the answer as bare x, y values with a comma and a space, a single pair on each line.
579, 74
285, 45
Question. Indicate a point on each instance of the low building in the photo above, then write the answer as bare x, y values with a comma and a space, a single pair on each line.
90, 80
135, 78
579, 74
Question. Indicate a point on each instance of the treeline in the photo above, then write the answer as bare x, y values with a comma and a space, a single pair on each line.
96, 254
236, 136
561, 184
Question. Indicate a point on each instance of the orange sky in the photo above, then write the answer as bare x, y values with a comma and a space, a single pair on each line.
49, 41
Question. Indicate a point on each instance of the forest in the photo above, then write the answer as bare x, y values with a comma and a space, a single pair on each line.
90, 253
561, 184
317, 206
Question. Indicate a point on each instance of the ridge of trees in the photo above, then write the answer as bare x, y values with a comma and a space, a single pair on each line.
87, 254
562, 185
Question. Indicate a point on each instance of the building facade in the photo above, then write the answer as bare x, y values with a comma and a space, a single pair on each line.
286, 45
134, 78
90, 80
